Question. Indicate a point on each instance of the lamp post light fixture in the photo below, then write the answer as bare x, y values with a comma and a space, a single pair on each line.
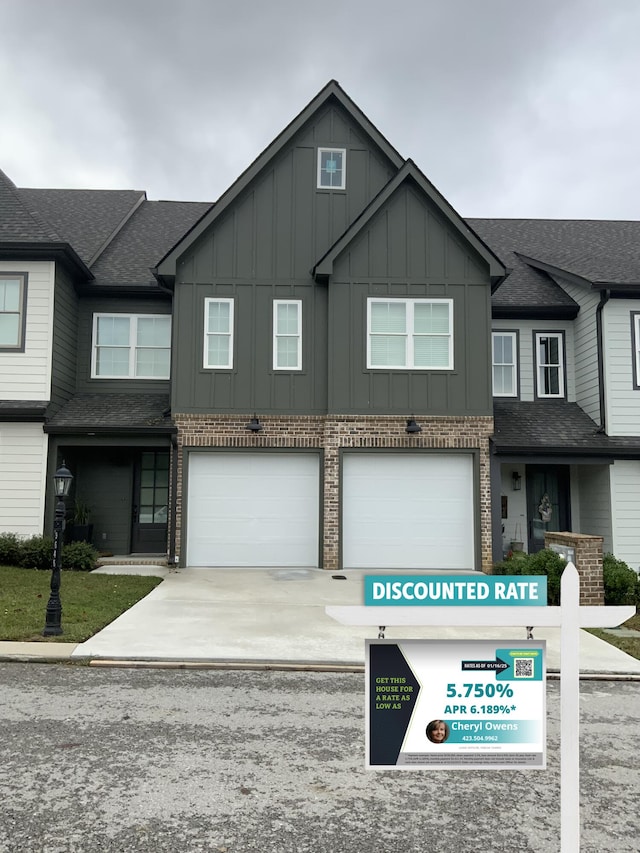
62, 483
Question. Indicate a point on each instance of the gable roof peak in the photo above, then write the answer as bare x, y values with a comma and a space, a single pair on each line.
332, 90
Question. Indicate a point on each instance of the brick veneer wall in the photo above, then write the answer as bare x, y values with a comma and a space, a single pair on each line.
331, 433
588, 550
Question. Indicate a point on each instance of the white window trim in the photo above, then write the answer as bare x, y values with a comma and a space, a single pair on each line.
540, 367
276, 334
514, 364
22, 311
205, 361
635, 336
343, 185
132, 346
410, 302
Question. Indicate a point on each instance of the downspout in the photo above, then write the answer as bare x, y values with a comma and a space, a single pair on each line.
605, 295
173, 560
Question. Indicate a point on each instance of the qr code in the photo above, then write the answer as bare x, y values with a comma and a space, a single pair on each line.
523, 667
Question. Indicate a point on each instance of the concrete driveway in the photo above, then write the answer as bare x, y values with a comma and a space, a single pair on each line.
277, 616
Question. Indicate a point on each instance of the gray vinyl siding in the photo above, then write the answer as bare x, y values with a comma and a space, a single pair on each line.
526, 355
65, 338
90, 306
585, 349
622, 399
595, 502
264, 248
409, 251
625, 497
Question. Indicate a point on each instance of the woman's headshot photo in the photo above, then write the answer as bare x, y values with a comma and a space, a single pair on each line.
437, 731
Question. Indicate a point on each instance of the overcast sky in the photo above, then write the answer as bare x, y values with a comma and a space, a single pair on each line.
510, 107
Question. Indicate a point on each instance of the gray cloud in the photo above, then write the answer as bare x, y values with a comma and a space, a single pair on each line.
510, 108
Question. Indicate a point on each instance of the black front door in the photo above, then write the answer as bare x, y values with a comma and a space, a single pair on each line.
150, 503
547, 502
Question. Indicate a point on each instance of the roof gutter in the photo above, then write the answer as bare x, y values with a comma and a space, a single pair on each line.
604, 298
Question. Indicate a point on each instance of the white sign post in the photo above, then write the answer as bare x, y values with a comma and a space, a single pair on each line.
570, 617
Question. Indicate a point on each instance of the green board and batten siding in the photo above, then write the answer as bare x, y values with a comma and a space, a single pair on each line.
264, 246
409, 250
262, 249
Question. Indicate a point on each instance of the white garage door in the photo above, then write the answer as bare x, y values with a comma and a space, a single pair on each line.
408, 511
253, 509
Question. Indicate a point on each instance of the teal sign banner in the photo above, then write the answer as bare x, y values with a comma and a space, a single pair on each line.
455, 590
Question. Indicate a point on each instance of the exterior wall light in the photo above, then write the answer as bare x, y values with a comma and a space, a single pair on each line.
516, 481
254, 425
412, 426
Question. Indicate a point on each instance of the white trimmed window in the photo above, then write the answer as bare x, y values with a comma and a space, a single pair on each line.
415, 334
131, 346
13, 293
550, 364
332, 168
505, 366
218, 333
287, 334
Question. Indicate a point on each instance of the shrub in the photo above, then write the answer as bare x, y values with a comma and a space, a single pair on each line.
10, 548
36, 552
547, 562
621, 583
544, 562
79, 557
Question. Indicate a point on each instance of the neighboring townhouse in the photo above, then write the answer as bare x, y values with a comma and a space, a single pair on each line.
85, 338
327, 368
566, 363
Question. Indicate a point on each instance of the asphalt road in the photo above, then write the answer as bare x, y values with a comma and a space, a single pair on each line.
99, 760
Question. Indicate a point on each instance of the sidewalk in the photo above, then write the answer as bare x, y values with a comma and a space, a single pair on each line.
268, 617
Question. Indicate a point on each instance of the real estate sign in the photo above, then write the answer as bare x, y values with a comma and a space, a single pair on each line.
455, 704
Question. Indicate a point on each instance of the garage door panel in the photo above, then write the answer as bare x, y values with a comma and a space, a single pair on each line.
408, 511
253, 509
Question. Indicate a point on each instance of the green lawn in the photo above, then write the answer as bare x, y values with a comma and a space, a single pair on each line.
630, 645
89, 602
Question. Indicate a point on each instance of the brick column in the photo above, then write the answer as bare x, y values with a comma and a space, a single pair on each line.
588, 562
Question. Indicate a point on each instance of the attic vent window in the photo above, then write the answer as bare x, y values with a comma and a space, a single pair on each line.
332, 168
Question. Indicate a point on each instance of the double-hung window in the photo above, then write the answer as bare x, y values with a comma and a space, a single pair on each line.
218, 333
505, 365
13, 298
287, 334
549, 364
414, 334
131, 346
332, 168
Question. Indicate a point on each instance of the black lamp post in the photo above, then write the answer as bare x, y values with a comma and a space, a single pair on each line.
62, 483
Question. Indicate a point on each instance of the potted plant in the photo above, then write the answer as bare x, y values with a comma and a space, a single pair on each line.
81, 529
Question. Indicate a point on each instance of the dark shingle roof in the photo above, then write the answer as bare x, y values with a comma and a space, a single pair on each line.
596, 250
524, 287
553, 427
84, 218
113, 413
17, 223
154, 229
